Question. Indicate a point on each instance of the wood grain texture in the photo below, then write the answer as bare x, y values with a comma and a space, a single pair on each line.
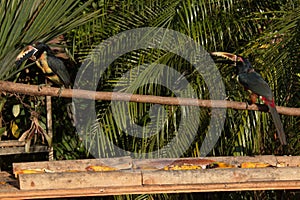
137, 180
70, 180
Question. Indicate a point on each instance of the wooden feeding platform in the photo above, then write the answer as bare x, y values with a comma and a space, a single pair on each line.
117, 176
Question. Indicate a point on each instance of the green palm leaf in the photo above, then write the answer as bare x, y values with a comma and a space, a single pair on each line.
23, 23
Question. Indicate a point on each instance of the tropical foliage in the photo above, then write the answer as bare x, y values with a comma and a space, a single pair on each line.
23, 23
267, 32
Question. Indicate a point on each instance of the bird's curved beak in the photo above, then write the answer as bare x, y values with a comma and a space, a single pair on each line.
27, 53
228, 56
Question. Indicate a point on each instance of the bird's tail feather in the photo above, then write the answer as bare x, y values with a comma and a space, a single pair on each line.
278, 124
71, 112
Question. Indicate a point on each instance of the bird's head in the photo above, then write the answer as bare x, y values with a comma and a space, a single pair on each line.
242, 64
32, 52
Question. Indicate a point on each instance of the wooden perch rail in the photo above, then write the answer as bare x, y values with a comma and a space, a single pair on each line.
115, 96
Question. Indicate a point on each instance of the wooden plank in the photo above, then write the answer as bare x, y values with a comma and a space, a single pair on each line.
120, 163
6, 182
290, 161
237, 160
153, 164
275, 161
69, 180
21, 150
141, 176
11, 143
14, 193
224, 176
156, 164
286, 178
127, 178
49, 123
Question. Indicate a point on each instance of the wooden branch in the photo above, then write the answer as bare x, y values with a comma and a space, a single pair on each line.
115, 96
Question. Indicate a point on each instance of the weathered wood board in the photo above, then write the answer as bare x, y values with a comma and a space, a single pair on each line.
12, 143
121, 163
70, 180
222, 176
159, 164
275, 161
10, 190
21, 150
127, 172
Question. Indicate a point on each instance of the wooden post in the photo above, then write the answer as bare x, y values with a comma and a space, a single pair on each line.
49, 123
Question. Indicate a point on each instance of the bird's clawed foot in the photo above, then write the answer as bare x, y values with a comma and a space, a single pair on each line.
40, 86
247, 105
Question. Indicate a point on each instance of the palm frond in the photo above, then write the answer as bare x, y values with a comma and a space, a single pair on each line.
23, 22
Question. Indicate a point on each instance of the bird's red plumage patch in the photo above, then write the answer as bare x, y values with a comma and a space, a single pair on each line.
268, 102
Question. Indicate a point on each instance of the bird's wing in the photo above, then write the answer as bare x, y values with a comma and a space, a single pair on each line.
254, 82
59, 68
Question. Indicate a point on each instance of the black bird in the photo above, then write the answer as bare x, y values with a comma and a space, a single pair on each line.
251, 80
53, 68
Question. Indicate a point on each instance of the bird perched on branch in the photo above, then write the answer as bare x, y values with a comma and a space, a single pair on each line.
53, 68
251, 80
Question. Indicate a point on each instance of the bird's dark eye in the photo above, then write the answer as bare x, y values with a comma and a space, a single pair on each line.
55, 51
